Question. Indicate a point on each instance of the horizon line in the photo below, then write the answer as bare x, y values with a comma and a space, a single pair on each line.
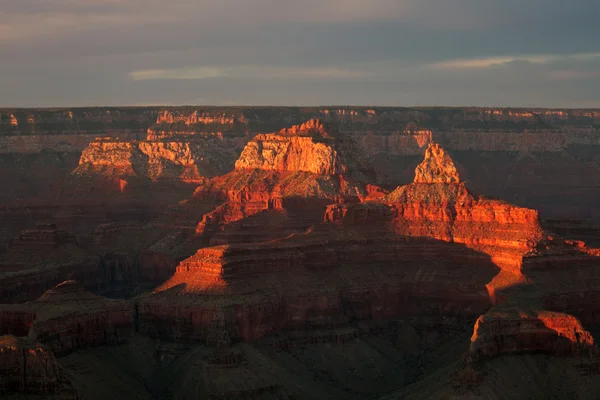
49, 108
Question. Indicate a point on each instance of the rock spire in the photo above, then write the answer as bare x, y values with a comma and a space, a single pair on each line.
437, 167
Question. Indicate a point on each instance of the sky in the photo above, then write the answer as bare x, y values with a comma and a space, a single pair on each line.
519, 53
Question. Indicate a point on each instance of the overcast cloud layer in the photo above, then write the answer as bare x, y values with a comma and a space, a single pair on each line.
306, 52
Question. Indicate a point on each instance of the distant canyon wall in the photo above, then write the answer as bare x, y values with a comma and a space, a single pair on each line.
539, 158
384, 129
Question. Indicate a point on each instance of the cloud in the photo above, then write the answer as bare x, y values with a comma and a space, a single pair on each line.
23, 19
252, 72
488, 62
283, 51
177, 73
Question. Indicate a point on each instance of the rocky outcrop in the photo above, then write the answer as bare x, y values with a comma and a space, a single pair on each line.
29, 368
196, 117
67, 317
512, 331
438, 205
296, 246
311, 147
437, 167
40, 258
176, 161
290, 177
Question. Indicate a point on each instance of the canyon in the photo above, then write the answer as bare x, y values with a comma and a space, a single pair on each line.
316, 252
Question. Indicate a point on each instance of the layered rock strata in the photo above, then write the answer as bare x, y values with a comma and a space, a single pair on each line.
505, 332
67, 317
438, 205
148, 160
289, 177
326, 278
40, 258
253, 290
565, 274
29, 368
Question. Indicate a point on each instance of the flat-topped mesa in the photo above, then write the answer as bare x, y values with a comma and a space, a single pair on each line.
311, 147
437, 167
197, 123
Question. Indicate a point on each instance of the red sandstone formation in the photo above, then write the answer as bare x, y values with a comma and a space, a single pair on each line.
256, 290
503, 332
438, 205
148, 160
321, 276
40, 258
289, 177
29, 368
310, 147
67, 317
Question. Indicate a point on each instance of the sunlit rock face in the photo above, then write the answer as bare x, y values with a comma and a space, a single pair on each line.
437, 167
438, 205
175, 161
289, 177
311, 147
318, 280
293, 282
294, 246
